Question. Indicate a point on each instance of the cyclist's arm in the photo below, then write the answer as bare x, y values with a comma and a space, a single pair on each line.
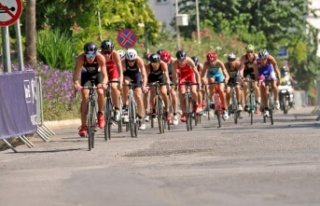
275, 66
204, 72
256, 70
102, 63
140, 64
174, 72
118, 62
77, 69
164, 67
224, 70
195, 70
241, 67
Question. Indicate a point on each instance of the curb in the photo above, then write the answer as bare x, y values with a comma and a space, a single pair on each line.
62, 123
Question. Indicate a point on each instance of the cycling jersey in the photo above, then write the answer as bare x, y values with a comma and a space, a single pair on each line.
216, 73
90, 73
248, 67
266, 71
133, 72
156, 75
112, 69
186, 74
170, 70
233, 73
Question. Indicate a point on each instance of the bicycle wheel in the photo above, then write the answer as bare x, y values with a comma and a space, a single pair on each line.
217, 109
132, 119
91, 124
159, 107
208, 105
120, 120
252, 105
271, 106
108, 119
234, 106
187, 111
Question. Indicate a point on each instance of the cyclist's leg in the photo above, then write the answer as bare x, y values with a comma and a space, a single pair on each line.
182, 92
85, 81
101, 102
228, 93
138, 97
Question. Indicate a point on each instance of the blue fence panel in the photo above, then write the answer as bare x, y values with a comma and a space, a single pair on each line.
18, 101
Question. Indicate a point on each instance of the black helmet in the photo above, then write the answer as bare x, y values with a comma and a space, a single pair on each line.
195, 60
263, 54
284, 69
154, 58
107, 45
181, 55
231, 57
160, 51
90, 47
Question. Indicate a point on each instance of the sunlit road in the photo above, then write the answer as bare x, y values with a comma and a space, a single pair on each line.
233, 165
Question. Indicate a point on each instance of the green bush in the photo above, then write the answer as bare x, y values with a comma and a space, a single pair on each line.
56, 49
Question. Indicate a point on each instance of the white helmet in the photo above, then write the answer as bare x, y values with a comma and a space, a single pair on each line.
122, 53
131, 54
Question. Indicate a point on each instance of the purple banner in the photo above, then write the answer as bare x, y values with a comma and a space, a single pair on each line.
18, 104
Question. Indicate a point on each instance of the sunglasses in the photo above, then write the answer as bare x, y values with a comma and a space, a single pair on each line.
106, 52
131, 60
249, 52
90, 55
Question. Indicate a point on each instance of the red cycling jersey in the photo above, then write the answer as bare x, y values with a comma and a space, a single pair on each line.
186, 74
112, 69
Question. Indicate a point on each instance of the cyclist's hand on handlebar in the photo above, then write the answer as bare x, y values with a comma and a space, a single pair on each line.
77, 86
145, 89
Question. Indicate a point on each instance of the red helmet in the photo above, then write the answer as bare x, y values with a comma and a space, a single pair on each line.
165, 56
211, 56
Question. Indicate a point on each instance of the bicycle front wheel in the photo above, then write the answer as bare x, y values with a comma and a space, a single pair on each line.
133, 119
160, 111
91, 124
108, 118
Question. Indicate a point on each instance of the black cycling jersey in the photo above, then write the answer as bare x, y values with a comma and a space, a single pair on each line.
91, 68
131, 68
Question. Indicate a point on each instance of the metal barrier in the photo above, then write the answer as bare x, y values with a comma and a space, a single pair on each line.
43, 131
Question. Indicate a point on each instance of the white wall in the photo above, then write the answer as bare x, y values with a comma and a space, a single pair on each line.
164, 11
315, 22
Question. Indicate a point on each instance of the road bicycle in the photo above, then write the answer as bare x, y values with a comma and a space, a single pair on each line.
159, 108
271, 104
218, 112
108, 111
234, 101
251, 101
132, 109
189, 105
91, 117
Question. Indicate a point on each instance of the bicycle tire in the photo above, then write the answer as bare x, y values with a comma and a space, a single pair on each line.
208, 105
189, 121
251, 106
159, 107
90, 124
120, 120
187, 111
132, 119
234, 106
108, 113
217, 109
271, 107
285, 104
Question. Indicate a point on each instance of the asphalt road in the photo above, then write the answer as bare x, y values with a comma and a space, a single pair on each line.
239, 164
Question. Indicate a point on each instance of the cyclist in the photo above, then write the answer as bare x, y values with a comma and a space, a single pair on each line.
183, 70
248, 65
233, 68
166, 57
114, 70
215, 71
90, 65
135, 71
201, 93
267, 70
157, 70
147, 94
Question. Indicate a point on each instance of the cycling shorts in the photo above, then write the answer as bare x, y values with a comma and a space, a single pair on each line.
250, 73
87, 78
267, 72
135, 76
218, 77
154, 78
191, 78
113, 74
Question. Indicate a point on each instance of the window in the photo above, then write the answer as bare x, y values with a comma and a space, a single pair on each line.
162, 1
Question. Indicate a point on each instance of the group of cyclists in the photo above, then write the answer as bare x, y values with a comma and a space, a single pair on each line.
104, 64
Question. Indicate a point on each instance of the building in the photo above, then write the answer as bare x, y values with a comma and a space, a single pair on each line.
164, 11
314, 5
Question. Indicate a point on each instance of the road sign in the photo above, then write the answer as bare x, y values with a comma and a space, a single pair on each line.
10, 11
126, 38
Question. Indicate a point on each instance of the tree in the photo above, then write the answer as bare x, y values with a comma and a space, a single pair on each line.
31, 50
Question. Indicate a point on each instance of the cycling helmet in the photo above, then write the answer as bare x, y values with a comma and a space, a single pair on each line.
90, 47
165, 56
160, 51
250, 47
107, 45
212, 56
195, 60
154, 58
131, 54
284, 69
122, 53
231, 57
181, 55
263, 54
